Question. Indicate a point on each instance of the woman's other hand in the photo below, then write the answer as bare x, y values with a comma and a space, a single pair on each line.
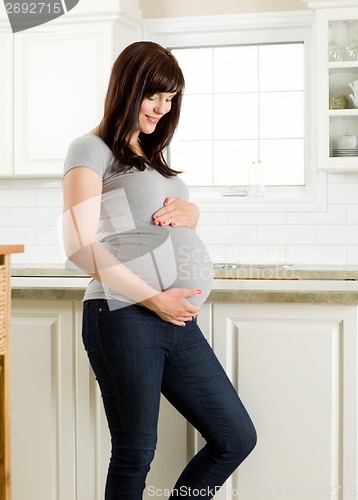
172, 305
177, 212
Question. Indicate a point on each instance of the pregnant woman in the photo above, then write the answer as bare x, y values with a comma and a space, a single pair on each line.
128, 223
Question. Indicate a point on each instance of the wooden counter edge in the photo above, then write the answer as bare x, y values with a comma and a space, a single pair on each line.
7, 249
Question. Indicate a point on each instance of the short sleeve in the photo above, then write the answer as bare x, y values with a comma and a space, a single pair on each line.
85, 151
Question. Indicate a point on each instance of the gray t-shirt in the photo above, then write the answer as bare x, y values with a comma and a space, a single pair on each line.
163, 256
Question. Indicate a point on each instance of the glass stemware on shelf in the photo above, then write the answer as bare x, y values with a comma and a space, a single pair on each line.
343, 43
351, 51
336, 50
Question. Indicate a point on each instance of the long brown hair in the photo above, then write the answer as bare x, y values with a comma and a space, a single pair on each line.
141, 70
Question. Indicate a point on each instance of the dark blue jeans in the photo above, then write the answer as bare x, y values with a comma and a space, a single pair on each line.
135, 356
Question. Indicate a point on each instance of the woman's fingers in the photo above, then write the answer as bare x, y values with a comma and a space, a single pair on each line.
172, 305
176, 212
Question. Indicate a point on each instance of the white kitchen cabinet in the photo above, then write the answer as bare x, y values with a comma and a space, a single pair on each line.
336, 68
55, 84
295, 368
43, 390
60, 77
6, 100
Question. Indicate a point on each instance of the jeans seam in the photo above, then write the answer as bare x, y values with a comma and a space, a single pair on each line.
207, 472
106, 362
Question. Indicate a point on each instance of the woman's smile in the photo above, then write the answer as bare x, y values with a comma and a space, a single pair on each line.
152, 119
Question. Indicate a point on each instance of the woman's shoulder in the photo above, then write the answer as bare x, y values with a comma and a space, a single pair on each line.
90, 151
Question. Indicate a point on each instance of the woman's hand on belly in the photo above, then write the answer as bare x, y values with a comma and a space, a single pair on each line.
172, 305
177, 212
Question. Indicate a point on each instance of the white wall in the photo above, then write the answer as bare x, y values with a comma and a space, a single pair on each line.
175, 8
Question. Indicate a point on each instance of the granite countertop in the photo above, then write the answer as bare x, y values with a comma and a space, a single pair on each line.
243, 284
222, 271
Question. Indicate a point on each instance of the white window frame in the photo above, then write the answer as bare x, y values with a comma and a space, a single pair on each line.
201, 31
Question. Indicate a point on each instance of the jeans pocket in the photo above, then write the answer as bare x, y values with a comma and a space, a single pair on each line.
103, 306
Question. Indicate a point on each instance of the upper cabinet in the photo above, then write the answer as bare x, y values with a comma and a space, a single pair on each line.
54, 85
59, 87
6, 104
337, 84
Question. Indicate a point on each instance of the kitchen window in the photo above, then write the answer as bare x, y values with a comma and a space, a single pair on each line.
249, 96
242, 104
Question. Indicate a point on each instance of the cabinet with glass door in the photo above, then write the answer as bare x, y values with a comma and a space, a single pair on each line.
337, 78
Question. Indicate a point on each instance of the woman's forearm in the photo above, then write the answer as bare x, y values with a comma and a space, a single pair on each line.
100, 264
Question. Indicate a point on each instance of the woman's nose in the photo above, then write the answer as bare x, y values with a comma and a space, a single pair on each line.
161, 107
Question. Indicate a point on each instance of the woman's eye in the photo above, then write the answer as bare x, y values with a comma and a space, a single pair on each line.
152, 97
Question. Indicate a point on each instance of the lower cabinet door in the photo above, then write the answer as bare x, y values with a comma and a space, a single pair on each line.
295, 368
42, 401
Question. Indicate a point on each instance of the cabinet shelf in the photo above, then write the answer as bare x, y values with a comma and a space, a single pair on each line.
343, 112
343, 65
334, 165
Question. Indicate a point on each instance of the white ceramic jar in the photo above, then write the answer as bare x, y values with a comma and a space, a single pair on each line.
347, 140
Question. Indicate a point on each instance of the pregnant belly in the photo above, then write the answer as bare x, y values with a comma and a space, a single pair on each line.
193, 263
165, 257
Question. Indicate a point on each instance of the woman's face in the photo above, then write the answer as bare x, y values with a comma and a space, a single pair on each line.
152, 109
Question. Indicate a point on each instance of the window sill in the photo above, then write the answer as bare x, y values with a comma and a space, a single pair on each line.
276, 199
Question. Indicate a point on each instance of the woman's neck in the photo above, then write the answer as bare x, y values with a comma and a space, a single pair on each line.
95, 131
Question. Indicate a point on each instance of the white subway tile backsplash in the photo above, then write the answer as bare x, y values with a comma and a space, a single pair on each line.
336, 214
337, 234
352, 255
343, 193
5, 217
17, 198
38, 254
227, 234
352, 177
35, 183
49, 197
18, 235
336, 178
217, 253
256, 254
352, 214
35, 216
207, 218
47, 235
256, 218
317, 254
30, 210
286, 234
